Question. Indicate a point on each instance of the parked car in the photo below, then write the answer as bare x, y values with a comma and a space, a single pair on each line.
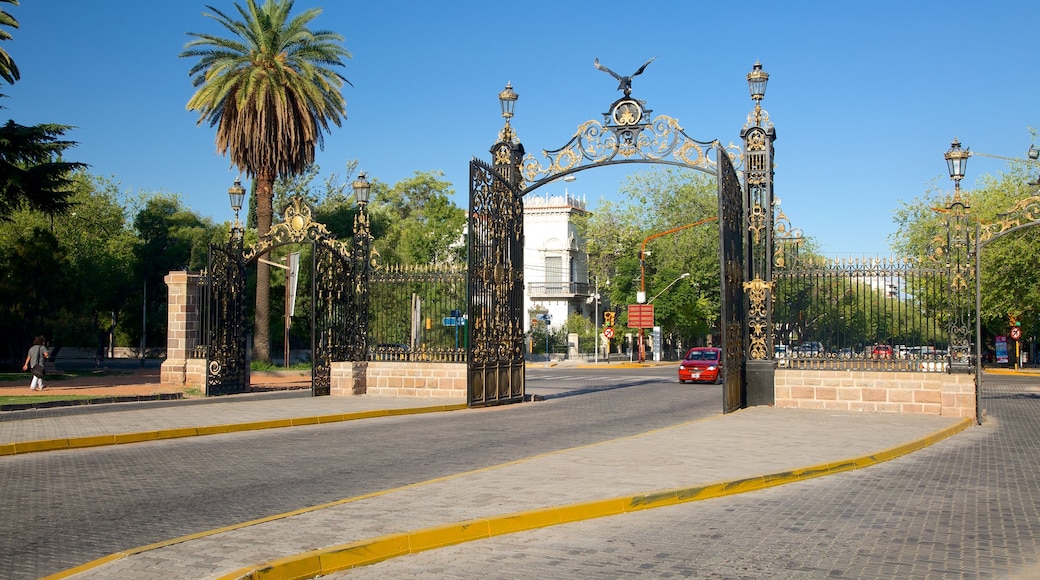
810, 349
702, 364
882, 351
388, 351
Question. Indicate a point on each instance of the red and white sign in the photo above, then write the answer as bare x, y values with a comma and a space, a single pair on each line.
640, 315
608, 332
1016, 333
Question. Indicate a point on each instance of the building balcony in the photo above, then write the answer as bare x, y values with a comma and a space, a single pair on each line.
558, 290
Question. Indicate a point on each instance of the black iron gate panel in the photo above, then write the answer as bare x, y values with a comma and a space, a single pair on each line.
731, 249
416, 313
495, 357
227, 370
335, 316
869, 314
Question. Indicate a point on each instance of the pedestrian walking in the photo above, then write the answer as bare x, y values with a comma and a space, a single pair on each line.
34, 361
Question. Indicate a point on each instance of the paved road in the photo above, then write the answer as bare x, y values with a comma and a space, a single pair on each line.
64, 508
967, 507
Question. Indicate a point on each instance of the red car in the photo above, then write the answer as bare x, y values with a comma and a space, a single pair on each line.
882, 351
701, 364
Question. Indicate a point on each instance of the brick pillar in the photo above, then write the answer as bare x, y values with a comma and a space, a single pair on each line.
183, 328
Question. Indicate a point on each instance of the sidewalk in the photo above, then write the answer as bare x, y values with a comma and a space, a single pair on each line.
735, 453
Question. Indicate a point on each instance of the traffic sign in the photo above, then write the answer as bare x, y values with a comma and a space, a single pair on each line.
1016, 333
453, 321
608, 332
640, 315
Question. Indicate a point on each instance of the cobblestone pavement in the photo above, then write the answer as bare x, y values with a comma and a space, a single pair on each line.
966, 507
722, 448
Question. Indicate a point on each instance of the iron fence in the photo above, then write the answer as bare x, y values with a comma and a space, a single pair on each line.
862, 314
417, 313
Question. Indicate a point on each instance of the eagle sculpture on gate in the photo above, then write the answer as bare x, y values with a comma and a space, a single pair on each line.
624, 83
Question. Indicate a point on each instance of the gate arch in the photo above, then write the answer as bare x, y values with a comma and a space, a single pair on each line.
628, 134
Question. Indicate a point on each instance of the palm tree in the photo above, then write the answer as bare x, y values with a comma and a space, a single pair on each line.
272, 92
8, 70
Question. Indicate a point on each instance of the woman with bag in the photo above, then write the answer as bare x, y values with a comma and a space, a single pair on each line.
35, 360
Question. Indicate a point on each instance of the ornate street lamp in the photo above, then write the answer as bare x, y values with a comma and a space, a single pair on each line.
756, 80
957, 162
361, 189
507, 98
237, 194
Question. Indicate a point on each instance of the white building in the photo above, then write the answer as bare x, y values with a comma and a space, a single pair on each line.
556, 267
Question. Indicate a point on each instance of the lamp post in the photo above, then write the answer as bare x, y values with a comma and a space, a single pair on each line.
359, 263
686, 275
757, 340
237, 194
642, 342
957, 163
362, 189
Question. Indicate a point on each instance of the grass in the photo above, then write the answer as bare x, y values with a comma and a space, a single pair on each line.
258, 365
29, 399
63, 375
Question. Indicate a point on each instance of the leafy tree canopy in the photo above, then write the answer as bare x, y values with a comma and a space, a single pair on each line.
652, 203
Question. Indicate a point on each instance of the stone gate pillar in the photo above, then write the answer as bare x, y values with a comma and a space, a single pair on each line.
758, 135
183, 328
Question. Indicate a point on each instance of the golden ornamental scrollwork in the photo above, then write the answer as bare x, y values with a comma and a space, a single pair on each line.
297, 226
784, 236
1024, 211
758, 340
756, 290
757, 221
759, 117
627, 134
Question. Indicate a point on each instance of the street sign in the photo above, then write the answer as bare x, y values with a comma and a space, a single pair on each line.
452, 321
608, 332
1016, 333
640, 315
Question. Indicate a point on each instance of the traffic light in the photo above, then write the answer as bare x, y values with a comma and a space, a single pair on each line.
608, 318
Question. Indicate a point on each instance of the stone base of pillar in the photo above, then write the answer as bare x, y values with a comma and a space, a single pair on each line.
173, 372
760, 376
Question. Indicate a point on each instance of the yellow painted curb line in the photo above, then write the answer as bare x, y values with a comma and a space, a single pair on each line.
314, 421
373, 550
1018, 372
23, 447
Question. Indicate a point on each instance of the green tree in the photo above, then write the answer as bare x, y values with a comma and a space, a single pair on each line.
32, 173
169, 237
416, 221
66, 275
272, 91
654, 202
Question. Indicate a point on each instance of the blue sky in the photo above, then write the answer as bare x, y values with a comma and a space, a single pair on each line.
865, 96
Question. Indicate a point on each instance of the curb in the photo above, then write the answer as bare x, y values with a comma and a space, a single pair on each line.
370, 551
91, 401
176, 433
1015, 372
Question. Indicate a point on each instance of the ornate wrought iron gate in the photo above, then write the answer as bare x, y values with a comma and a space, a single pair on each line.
227, 370
495, 358
335, 321
731, 255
